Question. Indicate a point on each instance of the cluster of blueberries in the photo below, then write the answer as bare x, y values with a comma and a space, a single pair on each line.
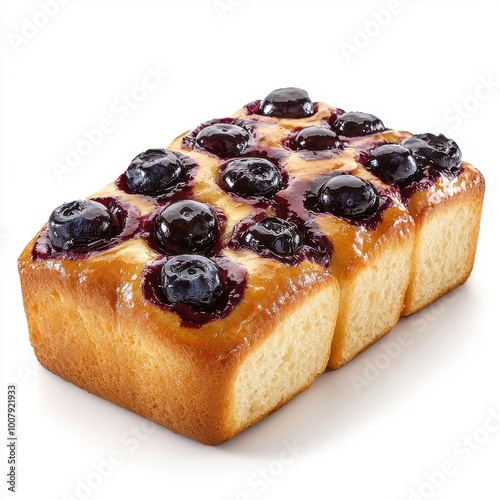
188, 229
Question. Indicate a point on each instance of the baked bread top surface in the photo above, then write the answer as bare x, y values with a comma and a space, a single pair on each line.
332, 243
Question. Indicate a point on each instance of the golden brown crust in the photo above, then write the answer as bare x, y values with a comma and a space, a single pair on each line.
89, 324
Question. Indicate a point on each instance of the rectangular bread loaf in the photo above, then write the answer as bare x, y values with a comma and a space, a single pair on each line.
217, 278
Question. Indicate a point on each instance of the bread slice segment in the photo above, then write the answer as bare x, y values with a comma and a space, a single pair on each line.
89, 323
447, 218
372, 295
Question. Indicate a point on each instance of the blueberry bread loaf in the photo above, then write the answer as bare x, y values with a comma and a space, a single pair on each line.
217, 278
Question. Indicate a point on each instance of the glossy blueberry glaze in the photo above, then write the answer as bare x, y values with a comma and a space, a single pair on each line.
251, 177
186, 226
176, 177
223, 137
253, 108
393, 163
436, 151
154, 172
232, 279
435, 157
290, 102
348, 196
313, 138
302, 198
192, 280
278, 236
80, 223
196, 230
127, 220
357, 124
334, 116
310, 244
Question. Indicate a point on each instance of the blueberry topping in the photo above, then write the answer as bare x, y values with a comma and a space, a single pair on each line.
154, 172
316, 139
289, 102
393, 163
280, 236
193, 280
355, 124
223, 139
186, 226
80, 223
251, 177
436, 150
348, 196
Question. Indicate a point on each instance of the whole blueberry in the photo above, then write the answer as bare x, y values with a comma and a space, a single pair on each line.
223, 139
154, 172
436, 150
356, 124
289, 102
251, 177
280, 236
193, 280
186, 226
393, 163
348, 196
316, 139
80, 223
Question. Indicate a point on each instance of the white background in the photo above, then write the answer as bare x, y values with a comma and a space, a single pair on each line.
379, 441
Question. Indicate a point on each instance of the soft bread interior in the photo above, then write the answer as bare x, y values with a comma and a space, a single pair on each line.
371, 301
445, 247
288, 360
